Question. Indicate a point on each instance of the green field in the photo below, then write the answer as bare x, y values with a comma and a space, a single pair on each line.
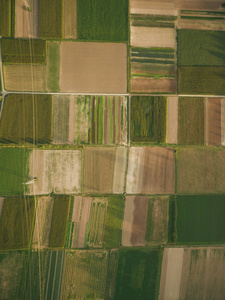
201, 48
13, 170
102, 20
59, 222
51, 18
26, 119
148, 119
201, 80
23, 51
16, 223
191, 121
200, 219
138, 274
5, 18
113, 222
53, 66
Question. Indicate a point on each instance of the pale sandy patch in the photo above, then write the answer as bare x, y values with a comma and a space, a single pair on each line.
43, 222
70, 19
152, 37
172, 120
158, 7
25, 77
171, 274
223, 121
71, 120
1, 205
120, 169
93, 67
128, 221
148, 85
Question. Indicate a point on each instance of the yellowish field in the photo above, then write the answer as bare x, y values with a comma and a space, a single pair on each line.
70, 19
153, 7
172, 120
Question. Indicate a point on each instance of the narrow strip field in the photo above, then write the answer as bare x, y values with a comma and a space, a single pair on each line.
53, 66
172, 120
70, 19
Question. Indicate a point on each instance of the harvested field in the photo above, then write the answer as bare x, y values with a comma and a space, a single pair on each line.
200, 5
26, 22
192, 273
223, 121
149, 85
53, 66
43, 222
213, 124
1, 205
85, 274
161, 7
200, 171
5, 18
135, 221
172, 120
101, 168
58, 171
152, 37
151, 170
93, 67
70, 19
25, 77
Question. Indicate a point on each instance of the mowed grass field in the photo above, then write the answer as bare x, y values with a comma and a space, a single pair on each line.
26, 119
200, 219
102, 20
16, 223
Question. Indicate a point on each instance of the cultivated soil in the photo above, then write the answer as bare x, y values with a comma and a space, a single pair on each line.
145, 85
172, 120
70, 19
160, 7
213, 124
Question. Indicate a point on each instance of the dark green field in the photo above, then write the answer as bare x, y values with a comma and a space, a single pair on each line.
102, 20
13, 170
148, 119
51, 18
200, 219
23, 51
16, 223
59, 222
5, 18
113, 222
191, 121
201, 48
26, 119
201, 80
138, 274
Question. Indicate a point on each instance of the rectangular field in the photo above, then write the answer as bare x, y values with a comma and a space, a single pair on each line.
5, 18
172, 120
53, 66
93, 67
70, 19
157, 7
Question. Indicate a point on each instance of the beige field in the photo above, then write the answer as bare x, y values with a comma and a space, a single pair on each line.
43, 221
200, 171
200, 5
147, 85
153, 7
223, 121
25, 77
70, 19
192, 273
152, 37
135, 220
172, 120
201, 24
93, 67
151, 170
102, 167
1, 205
213, 121
26, 22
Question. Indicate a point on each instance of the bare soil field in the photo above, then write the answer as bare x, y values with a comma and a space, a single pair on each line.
201, 24
200, 5
93, 67
43, 221
172, 120
213, 123
26, 22
25, 77
144, 85
135, 220
70, 19
152, 37
223, 121
1, 205
151, 170
160, 7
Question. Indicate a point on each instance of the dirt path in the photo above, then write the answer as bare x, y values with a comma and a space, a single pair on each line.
172, 120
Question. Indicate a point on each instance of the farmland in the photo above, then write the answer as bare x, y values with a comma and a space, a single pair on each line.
16, 223
5, 18
26, 119
70, 19
172, 120
160, 7
100, 20
148, 119
53, 66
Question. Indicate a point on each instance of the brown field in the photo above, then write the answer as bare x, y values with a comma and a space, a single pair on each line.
172, 120
148, 37
223, 121
200, 171
135, 220
1, 205
201, 24
26, 22
102, 167
144, 85
213, 121
93, 67
70, 19
200, 5
193, 273
151, 170
155, 7
25, 77
43, 221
